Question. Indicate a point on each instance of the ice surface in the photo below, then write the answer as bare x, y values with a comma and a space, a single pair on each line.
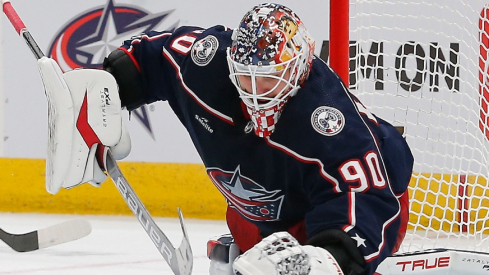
116, 245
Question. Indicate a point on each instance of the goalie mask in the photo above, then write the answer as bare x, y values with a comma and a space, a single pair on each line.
270, 57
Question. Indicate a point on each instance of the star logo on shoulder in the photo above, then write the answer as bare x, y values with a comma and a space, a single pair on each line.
360, 240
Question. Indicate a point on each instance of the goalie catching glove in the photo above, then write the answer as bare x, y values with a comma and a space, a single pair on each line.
84, 116
280, 253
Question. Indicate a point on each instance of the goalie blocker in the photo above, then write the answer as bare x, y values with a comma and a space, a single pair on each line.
84, 116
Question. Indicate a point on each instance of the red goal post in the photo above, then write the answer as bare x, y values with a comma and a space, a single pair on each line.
423, 66
339, 37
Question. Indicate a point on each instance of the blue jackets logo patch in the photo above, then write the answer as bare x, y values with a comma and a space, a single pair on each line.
203, 50
327, 121
246, 196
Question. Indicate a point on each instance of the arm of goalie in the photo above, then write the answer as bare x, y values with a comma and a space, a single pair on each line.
84, 116
280, 253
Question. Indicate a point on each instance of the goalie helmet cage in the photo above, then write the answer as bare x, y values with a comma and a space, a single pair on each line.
423, 65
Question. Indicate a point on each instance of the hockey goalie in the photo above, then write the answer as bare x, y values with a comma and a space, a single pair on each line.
315, 183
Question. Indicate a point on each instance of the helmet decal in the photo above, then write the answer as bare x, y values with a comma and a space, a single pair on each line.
268, 37
270, 42
271, 34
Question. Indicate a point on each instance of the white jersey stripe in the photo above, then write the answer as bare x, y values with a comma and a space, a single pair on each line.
211, 110
323, 173
389, 221
352, 214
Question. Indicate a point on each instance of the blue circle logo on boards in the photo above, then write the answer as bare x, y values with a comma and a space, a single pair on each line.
86, 40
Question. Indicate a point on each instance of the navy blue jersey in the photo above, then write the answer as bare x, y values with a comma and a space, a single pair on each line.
329, 163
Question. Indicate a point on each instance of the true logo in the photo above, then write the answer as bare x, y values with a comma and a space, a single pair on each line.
327, 121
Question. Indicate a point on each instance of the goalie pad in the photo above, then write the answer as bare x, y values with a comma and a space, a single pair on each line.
280, 253
84, 114
60, 123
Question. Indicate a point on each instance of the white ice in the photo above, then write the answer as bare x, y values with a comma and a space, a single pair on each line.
117, 245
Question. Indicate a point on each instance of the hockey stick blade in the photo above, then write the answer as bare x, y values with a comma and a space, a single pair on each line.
53, 235
179, 259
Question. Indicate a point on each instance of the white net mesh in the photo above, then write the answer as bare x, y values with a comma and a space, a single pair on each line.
422, 65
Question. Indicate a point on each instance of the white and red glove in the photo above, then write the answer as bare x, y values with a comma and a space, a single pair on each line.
280, 253
84, 116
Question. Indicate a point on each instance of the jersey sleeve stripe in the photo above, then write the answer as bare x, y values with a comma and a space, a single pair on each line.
373, 256
322, 172
387, 223
132, 58
351, 212
209, 109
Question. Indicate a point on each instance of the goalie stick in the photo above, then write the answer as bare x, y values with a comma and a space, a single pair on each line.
179, 259
53, 235
435, 261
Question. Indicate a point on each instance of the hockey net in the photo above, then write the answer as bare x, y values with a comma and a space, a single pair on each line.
422, 65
